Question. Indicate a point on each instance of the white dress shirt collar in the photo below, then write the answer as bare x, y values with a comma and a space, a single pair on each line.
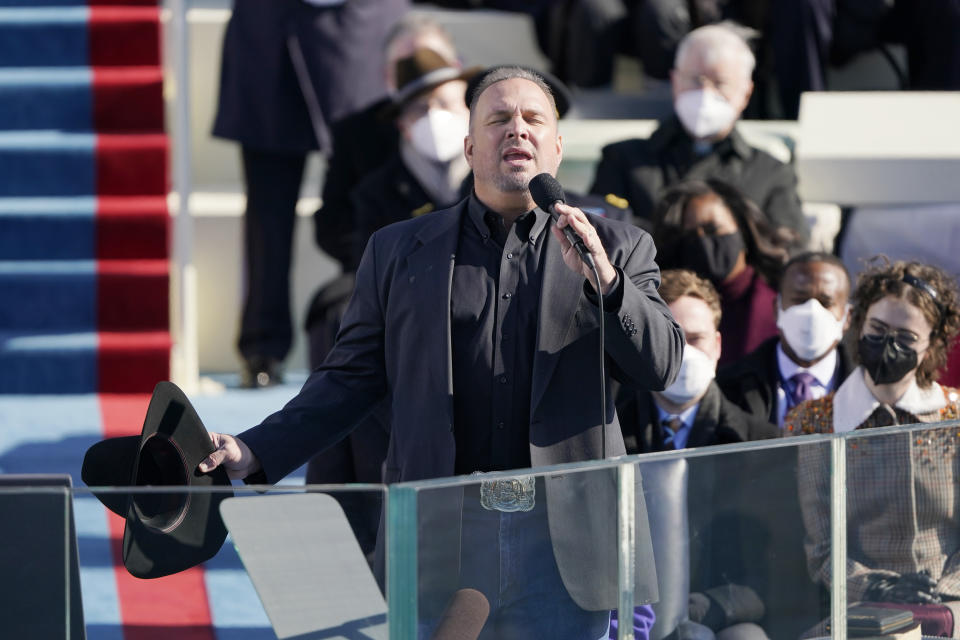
823, 370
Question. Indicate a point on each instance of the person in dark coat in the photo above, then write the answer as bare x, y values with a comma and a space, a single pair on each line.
418, 333
289, 68
807, 359
364, 140
427, 110
711, 87
692, 412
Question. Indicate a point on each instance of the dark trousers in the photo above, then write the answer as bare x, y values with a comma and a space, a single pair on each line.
273, 186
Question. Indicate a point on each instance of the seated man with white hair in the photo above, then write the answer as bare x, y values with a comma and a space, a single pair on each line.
711, 82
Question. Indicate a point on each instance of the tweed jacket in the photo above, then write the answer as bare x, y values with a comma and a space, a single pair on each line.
903, 506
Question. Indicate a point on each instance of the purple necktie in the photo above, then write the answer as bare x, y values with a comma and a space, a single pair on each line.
801, 387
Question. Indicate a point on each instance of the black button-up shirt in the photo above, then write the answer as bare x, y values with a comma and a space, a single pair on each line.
494, 308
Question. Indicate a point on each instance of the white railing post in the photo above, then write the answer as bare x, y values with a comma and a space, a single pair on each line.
184, 358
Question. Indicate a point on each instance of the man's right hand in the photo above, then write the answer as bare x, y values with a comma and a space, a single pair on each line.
236, 457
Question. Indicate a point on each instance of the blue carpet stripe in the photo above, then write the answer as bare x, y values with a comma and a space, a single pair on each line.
84, 206
47, 228
38, 98
47, 163
37, 364
40, 268
44, 36
48, 296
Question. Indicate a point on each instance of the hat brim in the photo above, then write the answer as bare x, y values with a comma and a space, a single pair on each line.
427, 83
165, 532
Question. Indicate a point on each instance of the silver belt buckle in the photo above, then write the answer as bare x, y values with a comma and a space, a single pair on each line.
508, 494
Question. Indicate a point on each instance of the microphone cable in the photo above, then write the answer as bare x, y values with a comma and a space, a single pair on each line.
603, 363
546, 192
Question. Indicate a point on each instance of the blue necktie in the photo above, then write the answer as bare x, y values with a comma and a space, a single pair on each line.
670, 428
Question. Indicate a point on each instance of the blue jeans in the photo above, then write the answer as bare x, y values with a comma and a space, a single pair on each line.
509, 558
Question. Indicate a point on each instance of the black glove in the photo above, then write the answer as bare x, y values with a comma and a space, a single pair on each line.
914, 588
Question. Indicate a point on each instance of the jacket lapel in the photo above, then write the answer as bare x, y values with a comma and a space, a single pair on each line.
430, 272
560, 294
705, 422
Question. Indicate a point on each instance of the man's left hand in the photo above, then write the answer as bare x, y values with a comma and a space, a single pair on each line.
577, 220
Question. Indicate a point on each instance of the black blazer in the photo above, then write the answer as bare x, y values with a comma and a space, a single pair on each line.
718, 421
394, 343
752, 382
640, 170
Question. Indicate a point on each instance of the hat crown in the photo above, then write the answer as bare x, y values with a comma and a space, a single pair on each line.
416, 67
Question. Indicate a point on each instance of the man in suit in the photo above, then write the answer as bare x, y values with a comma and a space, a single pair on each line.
479, 324
691, 412
806, 360
711, 87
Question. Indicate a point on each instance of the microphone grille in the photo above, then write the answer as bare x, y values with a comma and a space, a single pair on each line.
545, 190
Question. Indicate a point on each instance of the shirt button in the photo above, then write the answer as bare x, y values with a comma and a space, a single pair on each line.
509, 256
502, 379
507, 296
500, 425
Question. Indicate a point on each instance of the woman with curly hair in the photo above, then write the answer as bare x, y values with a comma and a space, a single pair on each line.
712, 229
903, 513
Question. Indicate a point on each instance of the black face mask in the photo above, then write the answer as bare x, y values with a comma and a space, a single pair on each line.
712, 257
884, 359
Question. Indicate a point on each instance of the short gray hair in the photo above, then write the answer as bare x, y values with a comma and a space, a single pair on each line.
718, 40
500, 74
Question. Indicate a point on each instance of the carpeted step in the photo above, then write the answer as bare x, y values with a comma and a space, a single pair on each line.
74, 36
82, 227
106, 99
83, 362
52, 163
77, 295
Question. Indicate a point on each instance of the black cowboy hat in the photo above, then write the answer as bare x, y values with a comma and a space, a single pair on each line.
164, 532
561, 93
420, 72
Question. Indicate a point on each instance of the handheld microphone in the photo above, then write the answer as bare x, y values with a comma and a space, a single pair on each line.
464, 617
546, 192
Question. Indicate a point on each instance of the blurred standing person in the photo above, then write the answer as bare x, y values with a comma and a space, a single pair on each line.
711, 87
712, 229
289, 69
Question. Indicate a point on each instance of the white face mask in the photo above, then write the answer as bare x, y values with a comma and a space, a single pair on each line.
439, 134
696, 374
809, 328
704, 114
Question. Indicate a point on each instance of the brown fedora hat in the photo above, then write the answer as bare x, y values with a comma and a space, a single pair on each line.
420, 72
